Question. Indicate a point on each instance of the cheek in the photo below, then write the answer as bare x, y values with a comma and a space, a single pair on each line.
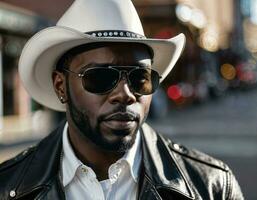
145, 101
85, 102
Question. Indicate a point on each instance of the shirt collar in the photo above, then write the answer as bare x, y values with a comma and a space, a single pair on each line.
70, 163
133, 157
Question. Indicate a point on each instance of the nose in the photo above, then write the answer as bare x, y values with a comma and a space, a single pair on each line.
122, 94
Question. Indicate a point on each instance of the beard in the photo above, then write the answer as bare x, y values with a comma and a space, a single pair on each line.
94, 134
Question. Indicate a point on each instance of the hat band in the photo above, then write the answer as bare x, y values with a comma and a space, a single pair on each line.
115, 33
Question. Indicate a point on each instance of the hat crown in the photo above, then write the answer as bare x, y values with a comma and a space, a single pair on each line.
97, 15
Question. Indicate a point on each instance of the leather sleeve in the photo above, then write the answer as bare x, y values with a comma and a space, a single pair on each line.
233, 189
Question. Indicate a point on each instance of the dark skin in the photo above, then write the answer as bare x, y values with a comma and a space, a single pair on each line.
98, 142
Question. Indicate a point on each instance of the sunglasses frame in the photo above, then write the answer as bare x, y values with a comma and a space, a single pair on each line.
123, 74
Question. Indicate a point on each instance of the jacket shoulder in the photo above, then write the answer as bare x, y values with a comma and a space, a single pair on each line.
195, 155
27, 168
17, 159
29, 151
179, 150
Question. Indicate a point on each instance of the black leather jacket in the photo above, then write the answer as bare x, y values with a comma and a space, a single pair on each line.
169, 171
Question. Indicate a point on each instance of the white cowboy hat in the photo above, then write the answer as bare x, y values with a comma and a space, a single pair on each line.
88, 21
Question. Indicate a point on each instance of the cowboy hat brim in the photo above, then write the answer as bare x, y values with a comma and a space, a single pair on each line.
43, 50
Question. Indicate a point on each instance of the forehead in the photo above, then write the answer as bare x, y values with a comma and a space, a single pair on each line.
114, 53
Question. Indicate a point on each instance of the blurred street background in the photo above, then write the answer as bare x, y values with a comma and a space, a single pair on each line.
208, 102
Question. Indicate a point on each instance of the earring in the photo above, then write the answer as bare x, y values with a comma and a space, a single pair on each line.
62, 100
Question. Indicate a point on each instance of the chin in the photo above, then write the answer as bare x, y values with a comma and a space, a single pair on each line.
119, 142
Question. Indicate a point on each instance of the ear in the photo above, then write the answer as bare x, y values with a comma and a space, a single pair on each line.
59, 85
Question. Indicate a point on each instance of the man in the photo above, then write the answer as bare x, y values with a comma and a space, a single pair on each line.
97, 66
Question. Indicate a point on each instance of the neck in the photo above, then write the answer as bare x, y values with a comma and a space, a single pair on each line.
91, 155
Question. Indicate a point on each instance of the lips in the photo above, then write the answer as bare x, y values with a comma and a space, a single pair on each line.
121, 117
120, 121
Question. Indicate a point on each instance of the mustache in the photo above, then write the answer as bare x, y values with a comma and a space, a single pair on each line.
121, 113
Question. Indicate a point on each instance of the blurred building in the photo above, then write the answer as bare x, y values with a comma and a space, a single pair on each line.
51, 10
16, 26
249, 18
196, 76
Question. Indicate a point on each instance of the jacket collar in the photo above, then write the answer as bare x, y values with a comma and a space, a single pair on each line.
161, 168
161, 171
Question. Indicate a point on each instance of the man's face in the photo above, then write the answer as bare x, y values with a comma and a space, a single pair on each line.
109, 121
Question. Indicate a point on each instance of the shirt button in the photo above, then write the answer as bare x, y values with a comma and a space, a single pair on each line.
84, 170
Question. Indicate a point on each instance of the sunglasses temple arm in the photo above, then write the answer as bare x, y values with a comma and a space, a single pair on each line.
79, 74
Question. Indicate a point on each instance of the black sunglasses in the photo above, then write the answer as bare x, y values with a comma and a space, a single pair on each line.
103, 79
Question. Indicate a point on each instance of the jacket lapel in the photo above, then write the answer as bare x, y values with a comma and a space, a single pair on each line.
161, 175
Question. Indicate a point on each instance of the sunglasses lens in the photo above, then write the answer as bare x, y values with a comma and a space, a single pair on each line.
144, 81
100, 80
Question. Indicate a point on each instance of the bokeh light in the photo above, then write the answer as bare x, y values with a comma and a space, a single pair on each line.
190, 15
198, 19
183, 12
174, 92
187, 90
209, 40
228, 71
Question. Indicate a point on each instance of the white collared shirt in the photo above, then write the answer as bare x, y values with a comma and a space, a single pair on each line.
80, 181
